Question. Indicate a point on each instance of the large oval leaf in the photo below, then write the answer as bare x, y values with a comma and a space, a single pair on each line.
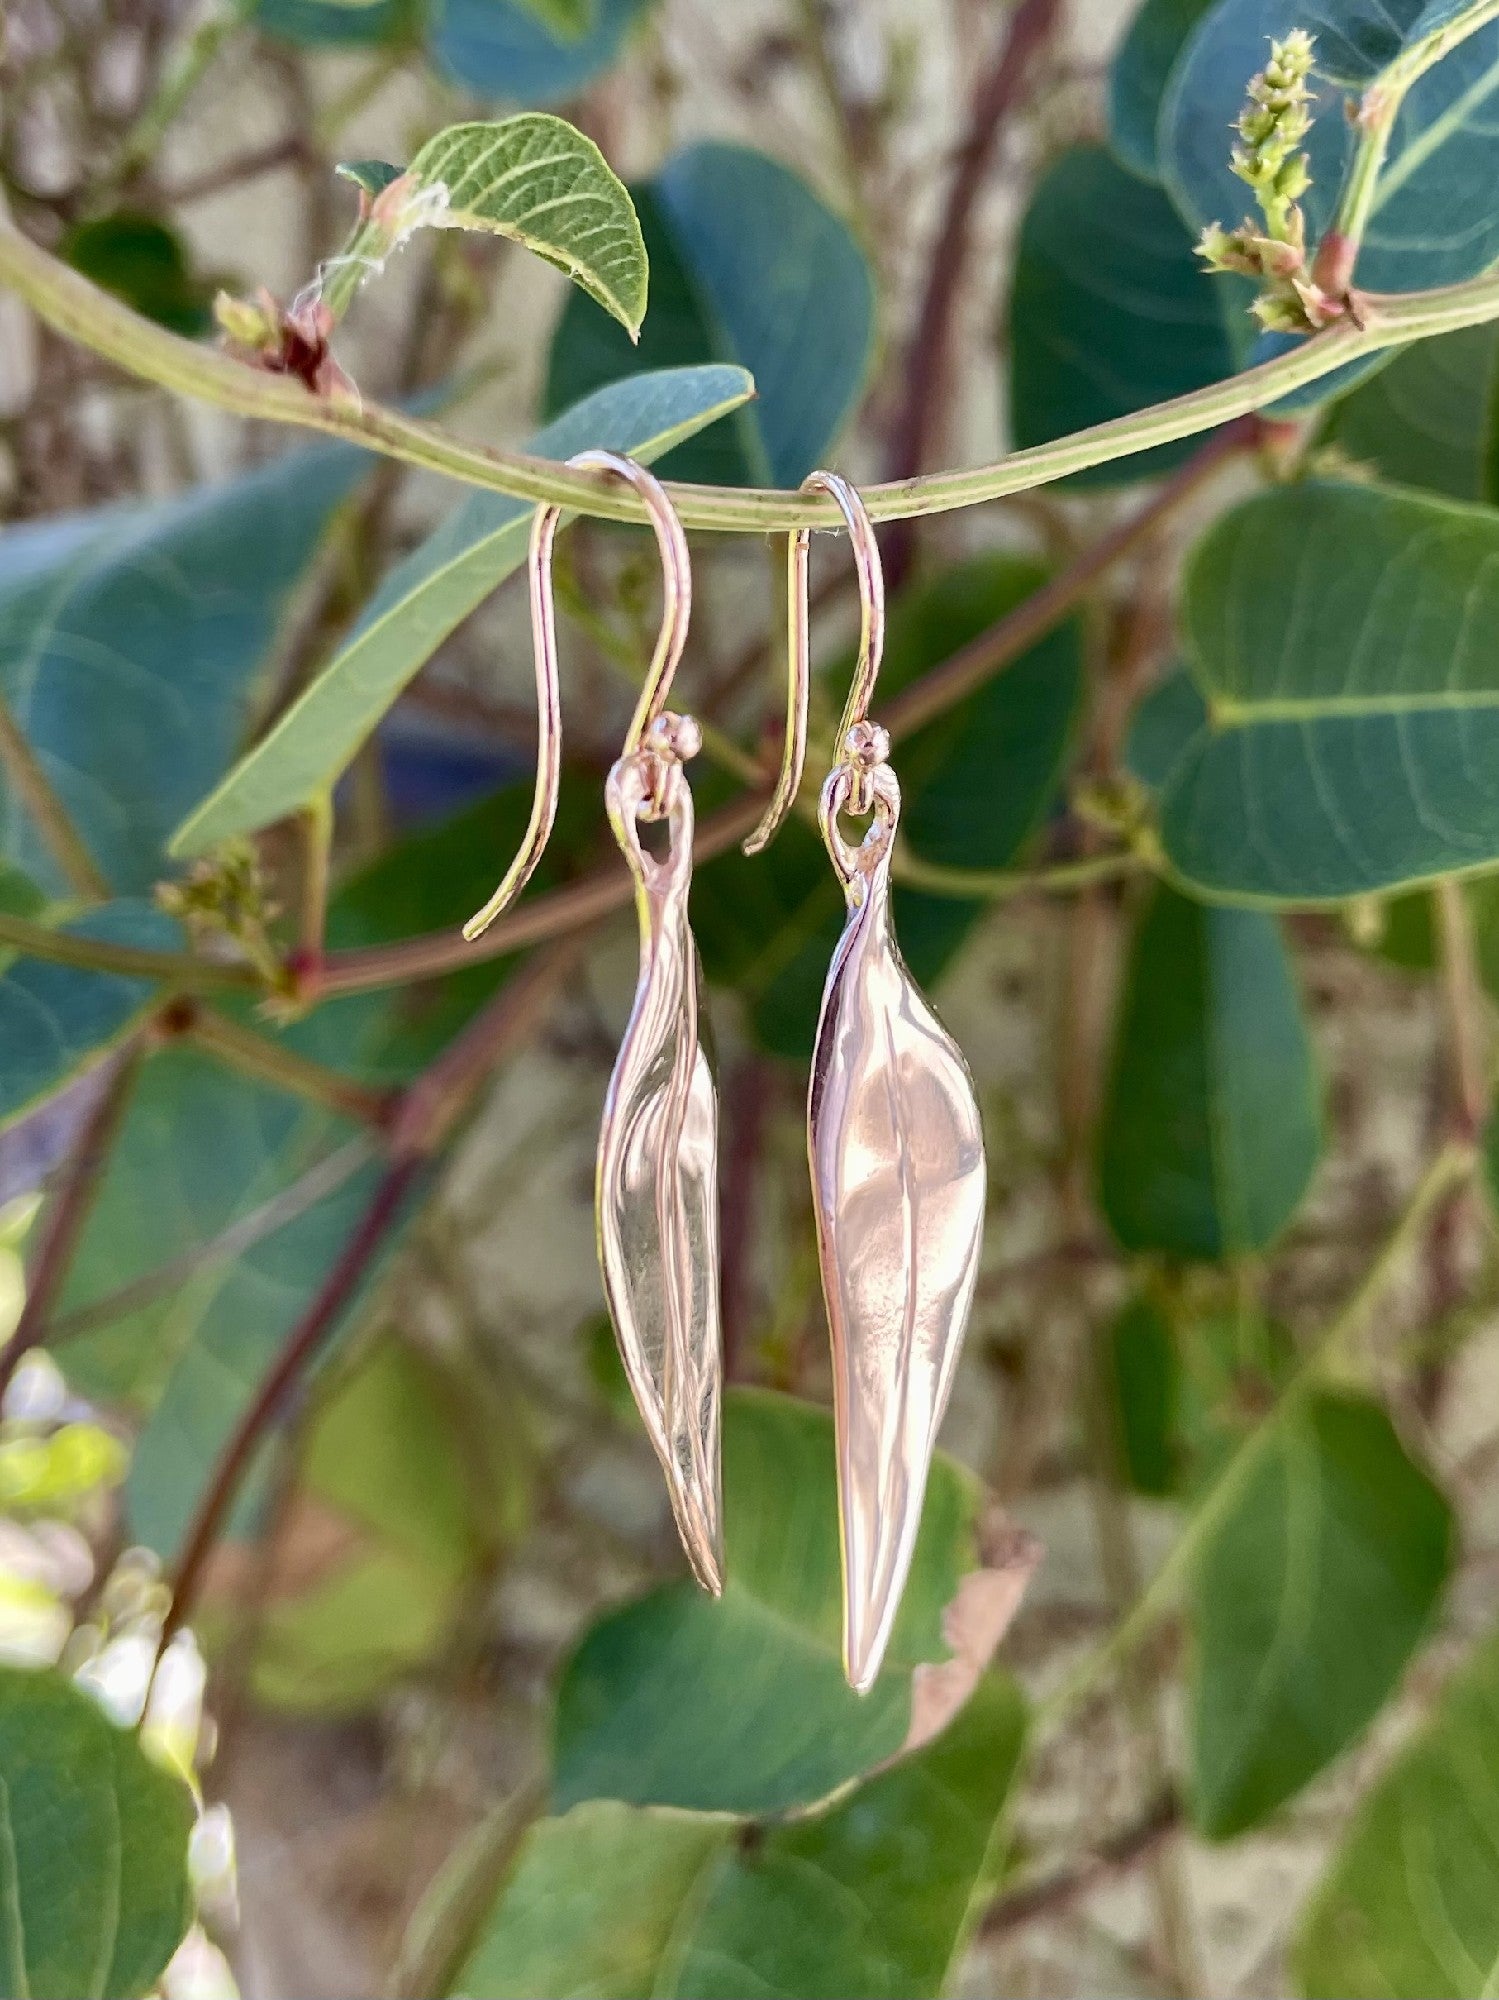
129, 642
94, 1893
741, 1705
1428, 419
1434, 221
1307, 1599
747, 266
503, 51
870, 1897
428, 594
1138, 78
1410, 1908
1105, 320
1346, 639
1211, 1127
57, 1020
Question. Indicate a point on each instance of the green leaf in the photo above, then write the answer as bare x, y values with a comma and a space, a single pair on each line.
747, 266
428, 595
143, 262
201, 1147
19, 895
412, 1479
871, 1897
94, 1895
1111, 310
1144, 1377
1410, 1907
544, 184
56, 1020
1346, 639
1211, 1127
372, 177
129, 644
1428, 419
1433, 221
740, 1705
975, 786
499, 49
1138, 77
1308, 1598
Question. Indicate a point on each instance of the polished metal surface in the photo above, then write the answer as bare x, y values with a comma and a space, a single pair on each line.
676, 610
799, 645
898, 1180
657, 1191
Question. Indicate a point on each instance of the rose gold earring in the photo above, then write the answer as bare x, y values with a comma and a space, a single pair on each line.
894, 1142
656, 1190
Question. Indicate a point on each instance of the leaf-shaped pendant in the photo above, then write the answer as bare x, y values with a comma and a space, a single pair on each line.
657, 1188
897, 1156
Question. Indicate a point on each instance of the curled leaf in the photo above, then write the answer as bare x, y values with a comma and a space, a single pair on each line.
897, 1156
657, 1188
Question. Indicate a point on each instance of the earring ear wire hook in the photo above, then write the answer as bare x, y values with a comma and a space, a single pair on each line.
799, 635
676, 575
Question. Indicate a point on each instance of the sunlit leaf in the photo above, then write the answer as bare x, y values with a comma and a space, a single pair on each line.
540, 181
94, 1895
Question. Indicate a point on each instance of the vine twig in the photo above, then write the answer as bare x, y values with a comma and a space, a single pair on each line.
69, 302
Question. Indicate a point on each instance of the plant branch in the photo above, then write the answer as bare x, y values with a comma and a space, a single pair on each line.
49, 815
176, 969
68, 302
1057, 878
272, 1062
297, 1352
424, 1117
66, 1214
926, 364
1448, 1170
1058, 1892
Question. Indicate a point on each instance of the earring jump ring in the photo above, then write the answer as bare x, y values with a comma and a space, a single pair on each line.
676, 613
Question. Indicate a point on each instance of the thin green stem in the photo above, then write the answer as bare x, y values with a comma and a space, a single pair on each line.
1374, 121
49, 815
999, 884
181, 79
268, 1061
175, 969
1452, 1166
67, 301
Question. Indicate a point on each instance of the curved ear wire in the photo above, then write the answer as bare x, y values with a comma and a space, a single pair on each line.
799, 646
676, 573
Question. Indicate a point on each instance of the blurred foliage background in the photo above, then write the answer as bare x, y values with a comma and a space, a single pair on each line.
1196, 1687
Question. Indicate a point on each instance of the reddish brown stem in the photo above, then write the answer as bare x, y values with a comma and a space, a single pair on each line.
927, 361
66, 1215
296, 1355
425, 1116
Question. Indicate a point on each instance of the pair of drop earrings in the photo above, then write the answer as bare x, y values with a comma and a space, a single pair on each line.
894, 1137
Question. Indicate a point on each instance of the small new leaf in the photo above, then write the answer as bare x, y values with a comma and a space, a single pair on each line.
533, 178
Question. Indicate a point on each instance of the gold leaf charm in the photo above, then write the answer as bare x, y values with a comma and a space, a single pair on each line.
897, 1156
657, 1190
